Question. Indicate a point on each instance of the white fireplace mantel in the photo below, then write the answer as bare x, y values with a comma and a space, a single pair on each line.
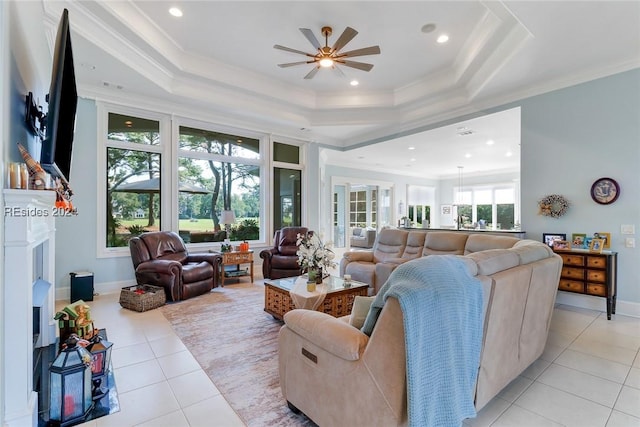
29, 254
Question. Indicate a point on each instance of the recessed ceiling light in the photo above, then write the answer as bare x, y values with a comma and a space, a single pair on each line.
175, 12
509, 154
468, 155
443, 38
354, 83
490, 142
411, 148
412, 159
428, 28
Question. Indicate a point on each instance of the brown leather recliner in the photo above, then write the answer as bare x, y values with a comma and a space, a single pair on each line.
160, 258
281, 260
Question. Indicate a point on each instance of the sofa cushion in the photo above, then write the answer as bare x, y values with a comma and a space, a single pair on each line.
415, 244
530, 251
390, 244
491, 261
360, 310
444, 242
480, 242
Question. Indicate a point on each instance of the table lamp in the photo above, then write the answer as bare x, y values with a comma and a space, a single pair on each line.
227, 218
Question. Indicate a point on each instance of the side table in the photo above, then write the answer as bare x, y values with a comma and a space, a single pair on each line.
236, 258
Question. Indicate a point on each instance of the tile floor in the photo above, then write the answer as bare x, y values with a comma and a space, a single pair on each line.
589, 375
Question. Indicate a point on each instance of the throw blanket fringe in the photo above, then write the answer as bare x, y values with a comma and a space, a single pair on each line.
442, 310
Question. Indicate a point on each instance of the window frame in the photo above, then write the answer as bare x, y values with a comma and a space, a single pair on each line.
167, 148
494, 205
163, 149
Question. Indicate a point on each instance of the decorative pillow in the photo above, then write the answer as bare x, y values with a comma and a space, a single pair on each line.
360, 310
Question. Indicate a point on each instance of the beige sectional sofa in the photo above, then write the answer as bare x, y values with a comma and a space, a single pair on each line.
337, 375
394, 247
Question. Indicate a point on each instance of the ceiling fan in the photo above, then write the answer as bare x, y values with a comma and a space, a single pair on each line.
328, 57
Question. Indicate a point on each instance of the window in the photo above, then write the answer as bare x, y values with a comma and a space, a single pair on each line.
218, 172
358, 209
287, 186
133, 172
488, 207
156, 181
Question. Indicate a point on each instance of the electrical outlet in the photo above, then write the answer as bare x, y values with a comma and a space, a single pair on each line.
628, 229
630, 242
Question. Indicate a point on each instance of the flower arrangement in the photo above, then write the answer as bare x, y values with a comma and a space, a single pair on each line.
313, 253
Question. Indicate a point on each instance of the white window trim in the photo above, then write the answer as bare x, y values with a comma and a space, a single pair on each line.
163, 148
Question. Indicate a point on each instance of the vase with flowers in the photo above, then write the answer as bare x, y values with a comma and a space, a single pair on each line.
314, 255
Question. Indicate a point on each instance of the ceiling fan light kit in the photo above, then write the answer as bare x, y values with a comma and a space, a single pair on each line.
329, 57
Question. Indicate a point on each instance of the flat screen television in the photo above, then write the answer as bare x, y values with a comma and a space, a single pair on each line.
55, 155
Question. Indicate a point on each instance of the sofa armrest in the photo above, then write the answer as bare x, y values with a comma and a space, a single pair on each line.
212, 258
268, 253
160, 266
325, 331
366, 256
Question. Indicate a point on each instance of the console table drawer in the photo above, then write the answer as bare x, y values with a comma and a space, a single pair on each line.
572, 259
573, 273
237, 258
596, 262
571, 286
596, 276
596, 289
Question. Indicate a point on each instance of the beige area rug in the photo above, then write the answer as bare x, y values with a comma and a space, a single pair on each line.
236, 343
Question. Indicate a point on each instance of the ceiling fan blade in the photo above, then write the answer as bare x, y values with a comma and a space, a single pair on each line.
347, 35
359, 65
311, 37
339, 72
288, 49
291, 64
371, 50
312, 73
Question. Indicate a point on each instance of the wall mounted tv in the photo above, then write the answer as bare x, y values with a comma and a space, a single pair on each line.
55, 155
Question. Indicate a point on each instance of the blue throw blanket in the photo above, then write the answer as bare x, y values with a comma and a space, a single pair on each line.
442, 310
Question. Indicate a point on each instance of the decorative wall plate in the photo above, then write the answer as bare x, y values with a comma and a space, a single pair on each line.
605, 191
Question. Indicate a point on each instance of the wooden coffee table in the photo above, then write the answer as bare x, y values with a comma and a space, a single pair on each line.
338, 301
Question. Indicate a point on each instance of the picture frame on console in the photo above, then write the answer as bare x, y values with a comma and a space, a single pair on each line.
561, 245
596, 245
549, 238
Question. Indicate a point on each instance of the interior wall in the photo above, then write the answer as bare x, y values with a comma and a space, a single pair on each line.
570, 138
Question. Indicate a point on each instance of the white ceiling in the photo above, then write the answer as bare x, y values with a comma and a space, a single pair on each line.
219, 57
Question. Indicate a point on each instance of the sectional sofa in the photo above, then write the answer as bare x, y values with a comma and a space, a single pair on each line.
394, 247
337, 375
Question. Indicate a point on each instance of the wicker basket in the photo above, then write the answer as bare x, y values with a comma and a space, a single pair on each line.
151, 297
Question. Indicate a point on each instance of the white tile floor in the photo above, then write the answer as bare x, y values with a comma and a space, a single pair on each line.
589, 375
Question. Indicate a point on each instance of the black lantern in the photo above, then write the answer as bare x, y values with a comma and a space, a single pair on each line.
100, 350
70, 379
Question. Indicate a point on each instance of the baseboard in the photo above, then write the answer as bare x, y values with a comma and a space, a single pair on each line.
99, 288
626, 308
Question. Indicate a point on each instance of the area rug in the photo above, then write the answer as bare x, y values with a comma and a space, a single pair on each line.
236, 343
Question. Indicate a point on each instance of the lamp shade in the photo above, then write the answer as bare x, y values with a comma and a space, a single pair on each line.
227, 217
70, 380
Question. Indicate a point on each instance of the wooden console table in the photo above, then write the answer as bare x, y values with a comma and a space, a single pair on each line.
590, 273
236, 258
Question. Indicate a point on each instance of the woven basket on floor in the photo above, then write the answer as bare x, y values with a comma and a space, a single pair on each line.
151, 297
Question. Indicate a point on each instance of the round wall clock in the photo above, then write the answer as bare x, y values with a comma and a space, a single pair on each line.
605, 191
